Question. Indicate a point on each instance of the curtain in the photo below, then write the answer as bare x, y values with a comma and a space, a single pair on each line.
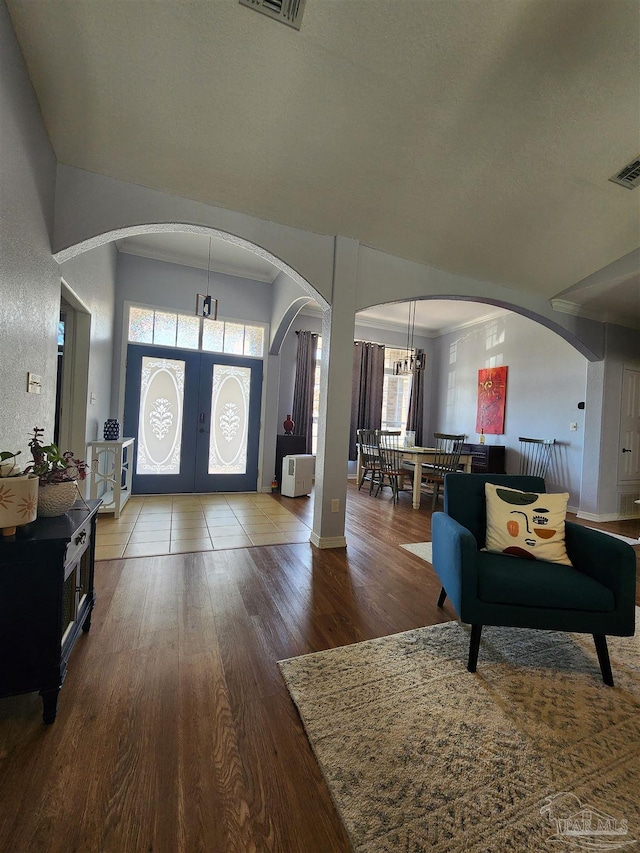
367, 383
415, 415
302, 413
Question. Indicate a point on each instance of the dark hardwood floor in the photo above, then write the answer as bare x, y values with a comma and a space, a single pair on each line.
175, 731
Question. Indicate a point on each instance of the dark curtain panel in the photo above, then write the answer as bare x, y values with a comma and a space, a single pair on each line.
302, 413
367, 385
415, 415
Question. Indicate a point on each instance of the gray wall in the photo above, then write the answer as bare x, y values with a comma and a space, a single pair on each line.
546, 380
29, 277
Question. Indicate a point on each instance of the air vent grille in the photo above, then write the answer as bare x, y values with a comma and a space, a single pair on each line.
629, 177
286, 11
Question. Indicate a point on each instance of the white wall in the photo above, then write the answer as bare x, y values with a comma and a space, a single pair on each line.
546, 380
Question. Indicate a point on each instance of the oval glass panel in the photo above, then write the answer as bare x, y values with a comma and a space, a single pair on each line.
229, 419
160, 419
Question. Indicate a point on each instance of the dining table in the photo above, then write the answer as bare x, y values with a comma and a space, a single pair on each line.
420, 456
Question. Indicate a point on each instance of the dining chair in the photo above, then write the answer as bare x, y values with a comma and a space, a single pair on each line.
369, 451
446, 460
535, 456
391, 458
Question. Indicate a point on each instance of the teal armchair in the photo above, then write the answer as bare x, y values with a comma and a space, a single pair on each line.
596, 595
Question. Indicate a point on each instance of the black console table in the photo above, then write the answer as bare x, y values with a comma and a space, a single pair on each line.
46, 598
486, 458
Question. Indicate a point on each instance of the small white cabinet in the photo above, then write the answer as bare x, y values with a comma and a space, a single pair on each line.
111, 470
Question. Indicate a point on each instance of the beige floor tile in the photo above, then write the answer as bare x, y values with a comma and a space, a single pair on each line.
151, 514
298, 536
147, 549
153, 525
139, 536
179, 522
269, 539
112, 538
290, 526
189, 533
222, 520
221, 512
115, 526
187, 506
213, 500
188, 513
251, 528
226, 530
250, 516
183, 546
223, 542
109, 552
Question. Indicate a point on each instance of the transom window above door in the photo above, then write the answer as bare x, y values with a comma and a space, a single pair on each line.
160, 327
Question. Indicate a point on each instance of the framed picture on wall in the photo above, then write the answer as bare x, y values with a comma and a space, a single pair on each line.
492, 395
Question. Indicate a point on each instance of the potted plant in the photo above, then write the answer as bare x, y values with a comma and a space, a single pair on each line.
58, 475
18, 494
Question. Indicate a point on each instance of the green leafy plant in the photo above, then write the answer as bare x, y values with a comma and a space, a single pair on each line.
50, 465
8, 468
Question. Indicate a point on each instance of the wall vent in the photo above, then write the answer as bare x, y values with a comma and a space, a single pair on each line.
628, 177
286, 11
627, 506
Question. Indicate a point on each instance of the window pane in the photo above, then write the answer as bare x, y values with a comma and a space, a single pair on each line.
229, 419
164, 329
234, 338
188, 331
212, 335
160, 420
254, 340
396, 391
141, 325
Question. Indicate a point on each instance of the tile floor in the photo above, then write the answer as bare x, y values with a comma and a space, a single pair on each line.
172, 524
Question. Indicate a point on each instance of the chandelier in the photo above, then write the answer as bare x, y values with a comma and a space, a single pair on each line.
206, 305
411, 362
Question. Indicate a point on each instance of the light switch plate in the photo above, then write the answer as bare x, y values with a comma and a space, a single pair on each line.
34, 383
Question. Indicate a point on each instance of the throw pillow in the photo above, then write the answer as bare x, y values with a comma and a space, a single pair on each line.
526, 524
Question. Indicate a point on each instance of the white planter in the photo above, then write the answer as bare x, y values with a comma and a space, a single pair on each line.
56, 498
18, 502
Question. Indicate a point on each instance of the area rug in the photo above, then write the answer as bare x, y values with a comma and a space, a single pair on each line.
420, 549
531, 753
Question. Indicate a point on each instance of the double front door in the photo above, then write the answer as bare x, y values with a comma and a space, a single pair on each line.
196, 420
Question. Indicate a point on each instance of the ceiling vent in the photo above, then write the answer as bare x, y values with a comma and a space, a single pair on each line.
286, 11
629, 177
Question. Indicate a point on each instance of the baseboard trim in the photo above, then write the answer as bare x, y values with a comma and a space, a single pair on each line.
328, 541
609, 516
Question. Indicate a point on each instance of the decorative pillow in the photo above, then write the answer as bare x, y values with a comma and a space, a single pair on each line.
526, 524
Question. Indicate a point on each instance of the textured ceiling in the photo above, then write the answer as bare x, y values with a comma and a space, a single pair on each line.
477, 136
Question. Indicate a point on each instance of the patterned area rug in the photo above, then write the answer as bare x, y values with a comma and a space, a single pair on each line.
531, 753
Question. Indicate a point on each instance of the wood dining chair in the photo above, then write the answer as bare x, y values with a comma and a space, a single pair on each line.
392, 471
446, 460
370, 465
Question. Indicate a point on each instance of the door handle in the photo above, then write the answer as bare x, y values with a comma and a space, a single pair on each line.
626, 450
201, 418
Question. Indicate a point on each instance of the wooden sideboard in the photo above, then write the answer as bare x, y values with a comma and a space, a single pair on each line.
487, 458
46, 598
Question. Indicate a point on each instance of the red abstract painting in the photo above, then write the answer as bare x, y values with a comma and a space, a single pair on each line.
492, 394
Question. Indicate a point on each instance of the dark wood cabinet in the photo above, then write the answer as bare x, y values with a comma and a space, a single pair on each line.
487, 458
46, 598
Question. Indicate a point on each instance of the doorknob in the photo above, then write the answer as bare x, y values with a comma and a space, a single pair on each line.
202, 429
626, 450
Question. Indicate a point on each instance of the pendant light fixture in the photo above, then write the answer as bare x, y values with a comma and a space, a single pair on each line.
207, 305
411, 362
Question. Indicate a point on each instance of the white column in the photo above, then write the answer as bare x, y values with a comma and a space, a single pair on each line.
338, 324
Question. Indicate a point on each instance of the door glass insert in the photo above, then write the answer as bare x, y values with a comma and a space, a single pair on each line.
161, 414
230, 394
